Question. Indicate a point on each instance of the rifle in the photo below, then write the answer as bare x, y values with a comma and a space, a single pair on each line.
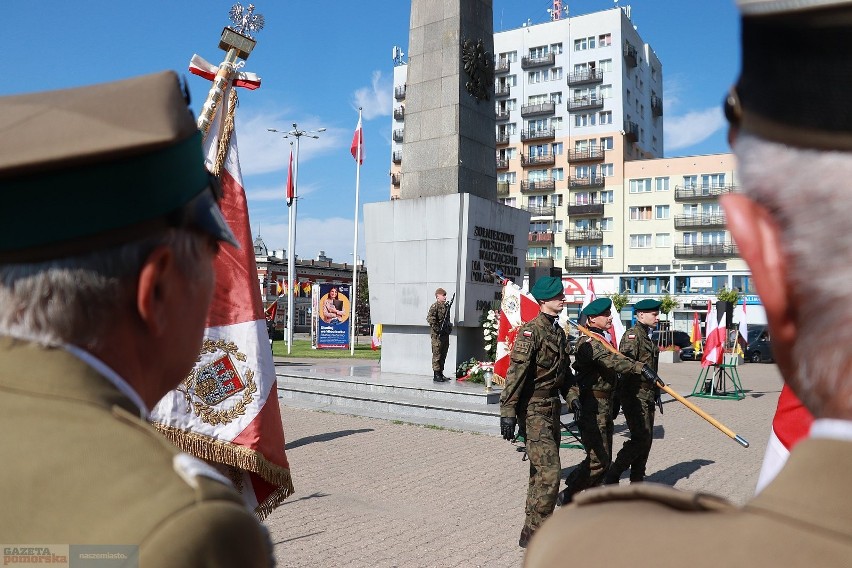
446, 326
658, 382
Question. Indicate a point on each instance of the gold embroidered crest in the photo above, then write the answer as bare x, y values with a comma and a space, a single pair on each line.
208, 386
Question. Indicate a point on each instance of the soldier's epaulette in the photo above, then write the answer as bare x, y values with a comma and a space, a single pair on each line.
658, 493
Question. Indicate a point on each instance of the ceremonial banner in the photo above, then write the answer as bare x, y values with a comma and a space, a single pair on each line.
226, 411
791, 423
516, 308
333, 324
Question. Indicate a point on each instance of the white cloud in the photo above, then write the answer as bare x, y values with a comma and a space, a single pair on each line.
691, 128
375, 100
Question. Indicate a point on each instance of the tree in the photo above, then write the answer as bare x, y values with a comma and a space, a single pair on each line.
619, 300
362, 303
668, 304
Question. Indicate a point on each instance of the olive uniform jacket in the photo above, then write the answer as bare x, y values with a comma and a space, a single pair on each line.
81, 468
435, 318
802, 518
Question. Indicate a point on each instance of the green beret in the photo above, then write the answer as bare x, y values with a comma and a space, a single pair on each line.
597, 307
547, 288
95, 167
647, 305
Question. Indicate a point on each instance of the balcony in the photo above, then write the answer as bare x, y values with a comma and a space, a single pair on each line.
586, 182
502, 138
396, 157
539, 263
541, 210
502, 114
397, 135
542, 134
539, 237
528, 186
583, 264
590, 154
656, 105
541, 109
724, 250
502, 188
399, 113
501, 66
699, 221
631, 131
585, 103
539, 160
399, 93
585, 77
694, 192
502, 90
395, 179
583, 236
631, 56
583, 209
531, 62
502, 163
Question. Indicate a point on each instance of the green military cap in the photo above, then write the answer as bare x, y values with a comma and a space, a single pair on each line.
597, 307
547, 288
93, 167
647, 305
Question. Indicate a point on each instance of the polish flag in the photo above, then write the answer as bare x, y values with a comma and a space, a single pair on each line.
791, 423
291, 188
376, 339
516, 308
226, 410
714, 347
357, 147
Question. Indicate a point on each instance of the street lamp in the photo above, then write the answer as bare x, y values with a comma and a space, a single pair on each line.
291, 247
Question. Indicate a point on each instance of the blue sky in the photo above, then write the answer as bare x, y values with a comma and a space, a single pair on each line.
319, 62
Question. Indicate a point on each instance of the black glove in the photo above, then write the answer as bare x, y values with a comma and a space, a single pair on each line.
507, 427
575, 408
649, 374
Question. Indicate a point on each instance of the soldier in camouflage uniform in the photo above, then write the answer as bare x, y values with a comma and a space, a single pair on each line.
440, 335
595, 368
638, 394
539, 371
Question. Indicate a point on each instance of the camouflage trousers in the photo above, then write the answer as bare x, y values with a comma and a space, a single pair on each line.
542, 440
440, 346
638, 406
595, 426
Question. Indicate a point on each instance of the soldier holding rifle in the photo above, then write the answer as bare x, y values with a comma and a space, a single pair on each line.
538, 372
440, 327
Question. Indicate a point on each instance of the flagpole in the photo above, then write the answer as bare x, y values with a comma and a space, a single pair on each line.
354, 298
291, 249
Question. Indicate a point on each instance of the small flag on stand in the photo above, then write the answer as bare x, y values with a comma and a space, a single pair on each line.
714, 347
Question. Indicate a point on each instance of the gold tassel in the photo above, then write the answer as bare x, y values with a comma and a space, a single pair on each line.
227, 130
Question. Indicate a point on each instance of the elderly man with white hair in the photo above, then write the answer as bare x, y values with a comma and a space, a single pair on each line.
791, 129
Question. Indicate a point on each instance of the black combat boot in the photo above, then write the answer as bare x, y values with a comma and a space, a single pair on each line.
613, 474
438, 377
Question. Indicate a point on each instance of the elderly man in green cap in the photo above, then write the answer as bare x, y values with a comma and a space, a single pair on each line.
596, 369
108, 232
637, 394
538, 372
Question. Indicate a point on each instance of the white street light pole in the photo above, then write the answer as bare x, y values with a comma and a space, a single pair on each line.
291, 246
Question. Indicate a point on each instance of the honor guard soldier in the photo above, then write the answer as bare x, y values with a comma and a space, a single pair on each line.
439, 330
539, 371
638, 395
108, 231
595, 368
789, 225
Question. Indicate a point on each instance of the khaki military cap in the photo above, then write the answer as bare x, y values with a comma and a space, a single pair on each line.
796, 73
93, 167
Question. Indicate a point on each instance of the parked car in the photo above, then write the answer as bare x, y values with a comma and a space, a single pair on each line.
678, 338
759, 349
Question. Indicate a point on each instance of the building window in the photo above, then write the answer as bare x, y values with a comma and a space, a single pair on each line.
606, 224
586, 119
510, 177
605, 65
557, 226
690, 181
535, 77
580, 44
640, 185
557, 174
556, 48
556, 97
641, 213
606, 91
661, 212
536, 99
556, 74
556, 123
510, 201
556, 148
557, 253
664, 240
713, 238
608, 196
582, 172
538, 52
557, 201
640, 241
690, 238
606, 143
537, 201
713, 180
538, 252
607, 251
606, 117
661, 183
607, 170
604, 40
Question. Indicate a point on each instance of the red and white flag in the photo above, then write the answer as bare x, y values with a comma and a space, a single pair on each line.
291, 188
226, 410
201, 67
715, 344
516, 308
791, 423
357, 147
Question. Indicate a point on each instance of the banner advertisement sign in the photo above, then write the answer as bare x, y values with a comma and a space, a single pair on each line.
333, 316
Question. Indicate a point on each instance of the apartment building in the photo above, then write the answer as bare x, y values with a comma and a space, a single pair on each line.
578, 106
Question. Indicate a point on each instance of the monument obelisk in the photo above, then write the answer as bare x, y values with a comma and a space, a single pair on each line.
447, 229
